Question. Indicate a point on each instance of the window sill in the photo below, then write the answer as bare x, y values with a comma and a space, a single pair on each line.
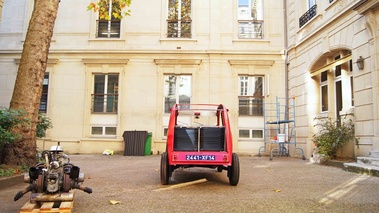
178, 39
106, 39
243, 40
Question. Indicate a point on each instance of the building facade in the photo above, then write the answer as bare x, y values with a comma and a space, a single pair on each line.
105, 77
332, 62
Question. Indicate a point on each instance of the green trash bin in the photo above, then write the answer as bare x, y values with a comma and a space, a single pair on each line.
148, 144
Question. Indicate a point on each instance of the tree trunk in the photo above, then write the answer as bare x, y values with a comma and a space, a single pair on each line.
28, 86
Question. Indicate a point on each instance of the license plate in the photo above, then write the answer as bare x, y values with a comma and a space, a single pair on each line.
200, 157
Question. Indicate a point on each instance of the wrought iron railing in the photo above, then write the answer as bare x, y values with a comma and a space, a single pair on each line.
308, 15
250, 29
108, 29
104, 103
179, 28
249, 105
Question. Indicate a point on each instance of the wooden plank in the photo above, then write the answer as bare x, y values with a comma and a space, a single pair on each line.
66, 205
46, 206
28, 207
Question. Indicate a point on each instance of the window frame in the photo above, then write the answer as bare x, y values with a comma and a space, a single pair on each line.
106, 95
111, 22
255, 109
167, 106
250, 27
45, 92
103, 131
178, 20
251, 134
324, 84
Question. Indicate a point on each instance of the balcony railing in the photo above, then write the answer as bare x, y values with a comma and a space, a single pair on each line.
308, 15
108, 29
179, 28
250, 29
104, 103
249, 105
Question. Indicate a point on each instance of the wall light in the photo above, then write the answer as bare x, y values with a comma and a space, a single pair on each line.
360, 63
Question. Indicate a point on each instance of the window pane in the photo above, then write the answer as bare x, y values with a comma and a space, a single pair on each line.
179, 19
352, 90
250, 19
45, 89
169, 92
324, 76
338, 100
112, 93
97, 130
257, 133
98, 97
177, 90
244, 133
110, 130
184, 89
250, 10
99, 84
324, 98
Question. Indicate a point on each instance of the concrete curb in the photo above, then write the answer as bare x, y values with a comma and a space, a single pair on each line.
11, 180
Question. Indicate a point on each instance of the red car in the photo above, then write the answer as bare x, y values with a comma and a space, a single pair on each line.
199, 135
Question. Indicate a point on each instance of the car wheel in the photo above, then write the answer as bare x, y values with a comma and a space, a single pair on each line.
234, 170
165, 169
220, 168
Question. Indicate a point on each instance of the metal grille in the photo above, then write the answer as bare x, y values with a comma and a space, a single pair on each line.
308, 15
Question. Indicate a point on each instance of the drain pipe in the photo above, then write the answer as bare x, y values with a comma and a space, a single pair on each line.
285, 59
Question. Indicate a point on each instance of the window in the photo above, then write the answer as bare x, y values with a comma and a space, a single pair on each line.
179, 19
177, 90
324, 91
311, 12
109, 26
105, 96
250, 134
165, 132
338, 86
250, 19
45, 90
311, 3
250, 97
103, 131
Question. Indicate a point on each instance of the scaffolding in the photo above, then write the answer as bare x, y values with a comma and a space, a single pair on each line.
280, 127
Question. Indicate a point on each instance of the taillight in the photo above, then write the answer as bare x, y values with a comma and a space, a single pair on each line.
225, 158
174, 157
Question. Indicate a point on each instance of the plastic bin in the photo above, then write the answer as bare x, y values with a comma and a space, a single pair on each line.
148, 144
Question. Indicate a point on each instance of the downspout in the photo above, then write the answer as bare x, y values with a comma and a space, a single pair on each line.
285, 59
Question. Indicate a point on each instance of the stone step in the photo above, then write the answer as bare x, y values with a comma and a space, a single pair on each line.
374, 154
362, 168
372, 161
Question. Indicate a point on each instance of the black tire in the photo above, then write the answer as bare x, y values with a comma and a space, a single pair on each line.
165, 169
234, 170
220, 168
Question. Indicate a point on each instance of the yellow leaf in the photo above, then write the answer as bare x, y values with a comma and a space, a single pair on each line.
114, 202
277, 190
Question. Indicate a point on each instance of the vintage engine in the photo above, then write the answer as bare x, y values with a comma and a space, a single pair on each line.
57, 175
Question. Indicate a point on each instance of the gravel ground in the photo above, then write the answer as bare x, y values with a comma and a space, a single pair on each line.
282, 185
